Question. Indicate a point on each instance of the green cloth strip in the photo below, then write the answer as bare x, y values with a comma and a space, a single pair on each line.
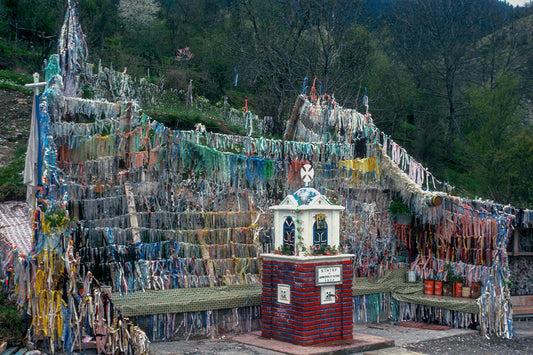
394, 282
226, 297
182, 300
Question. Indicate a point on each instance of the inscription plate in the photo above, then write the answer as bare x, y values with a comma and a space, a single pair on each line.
328, 275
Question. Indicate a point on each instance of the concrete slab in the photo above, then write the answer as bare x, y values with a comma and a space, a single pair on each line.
404, 335
523, 328
391, 351
359, 343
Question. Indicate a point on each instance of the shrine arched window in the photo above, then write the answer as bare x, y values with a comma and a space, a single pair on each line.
320, 231
288, 233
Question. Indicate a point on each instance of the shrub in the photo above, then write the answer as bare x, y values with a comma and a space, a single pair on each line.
11, 325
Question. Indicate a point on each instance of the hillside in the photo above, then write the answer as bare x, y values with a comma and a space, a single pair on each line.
443, 99
15, 108
15, 114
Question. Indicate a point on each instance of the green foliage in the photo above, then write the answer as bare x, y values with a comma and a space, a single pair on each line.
509, 283
451, 277
16, 78
99, 20
283, 250
495, 142
183, 118
87, 92
11, 330
6, 84
176, 83
33, 26
11, 185
114, 48
517, 161
324, 250
18, 57
56, 217
493, 114
15, 81
397, 207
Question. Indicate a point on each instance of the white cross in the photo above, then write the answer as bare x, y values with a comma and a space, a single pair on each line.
307, 174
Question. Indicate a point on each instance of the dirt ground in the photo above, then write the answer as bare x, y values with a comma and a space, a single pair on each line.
409, 341
15, 118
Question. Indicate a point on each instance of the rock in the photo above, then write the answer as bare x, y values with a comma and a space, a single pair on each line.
30, 345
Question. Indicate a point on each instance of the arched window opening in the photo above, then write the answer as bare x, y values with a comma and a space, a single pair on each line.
320, 231
288, 233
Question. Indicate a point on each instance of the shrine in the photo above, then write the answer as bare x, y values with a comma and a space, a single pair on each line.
307, 283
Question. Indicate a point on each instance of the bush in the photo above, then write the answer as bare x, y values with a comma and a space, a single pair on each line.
178, 81
11, 191
11, 325
13, 56
12, 187
397, 207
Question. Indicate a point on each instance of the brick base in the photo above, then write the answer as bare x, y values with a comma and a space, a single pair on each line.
305, 321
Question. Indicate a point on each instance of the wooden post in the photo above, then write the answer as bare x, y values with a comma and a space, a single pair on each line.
188, 102
125, 126
516, 241
226, 107
205, 258
293, 120
132, 212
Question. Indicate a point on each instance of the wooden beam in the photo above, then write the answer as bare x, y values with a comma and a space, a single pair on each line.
206, 257
293, 120
516, 241
134, 223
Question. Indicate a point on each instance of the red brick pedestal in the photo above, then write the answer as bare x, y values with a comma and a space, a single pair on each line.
307, 299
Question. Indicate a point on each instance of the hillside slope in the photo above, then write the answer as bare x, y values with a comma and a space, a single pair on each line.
15, 115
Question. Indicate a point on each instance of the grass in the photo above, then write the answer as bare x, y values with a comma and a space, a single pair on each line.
17, 56
15, 81
16, 78
6, 84
11, 184
11, 181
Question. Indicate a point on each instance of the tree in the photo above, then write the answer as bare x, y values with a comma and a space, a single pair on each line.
341, 49
190, 21
35, 22
493, 131
99, 20
143, 36
517, 162
434, 38
137, 13
268, 49
279, 43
